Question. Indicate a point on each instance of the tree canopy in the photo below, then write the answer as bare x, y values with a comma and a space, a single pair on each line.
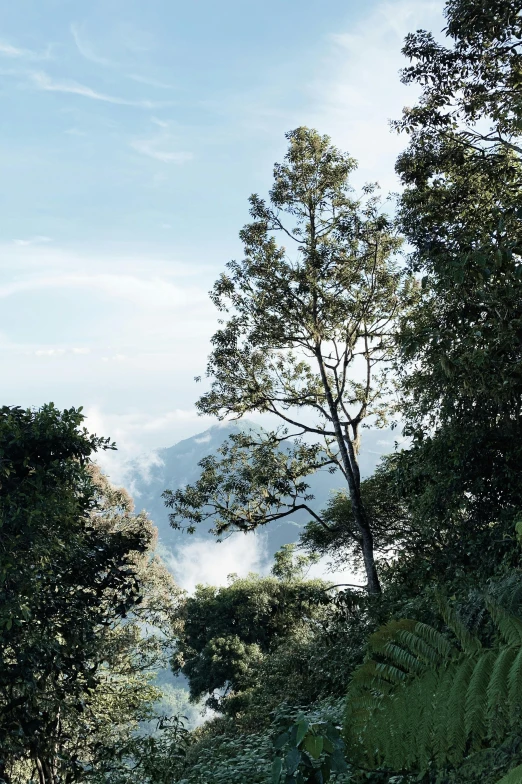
307, 337
76, 569
226, 632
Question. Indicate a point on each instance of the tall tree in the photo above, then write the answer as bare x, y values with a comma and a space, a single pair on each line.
460, 210
72, 569
306, 337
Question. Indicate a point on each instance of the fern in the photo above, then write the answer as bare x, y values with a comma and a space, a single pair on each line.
508, 594
435, 639
497, 692
475, 711
423, 650
515, 686
455, 720
420, 700
513, 777
403, 658
468, 642
509, 626
439, 739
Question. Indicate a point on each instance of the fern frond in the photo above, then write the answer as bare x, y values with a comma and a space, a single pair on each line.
513, 777
421, 701
435, 639
403, 658
509, 595
515, 686
497, 693
420, 648
468, 642
441, 743
390, 673
364, 675
456, 726
389, 631
421, 725
475, 711
509, 626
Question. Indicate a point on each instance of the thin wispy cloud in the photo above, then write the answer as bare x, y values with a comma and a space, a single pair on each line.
160, 123
49, 352
153, 148
75, 132
85, 48
11, 51
44, 82
357, 88
38, 240
135, 38
149, 293
56, 352
15, 52
150, 82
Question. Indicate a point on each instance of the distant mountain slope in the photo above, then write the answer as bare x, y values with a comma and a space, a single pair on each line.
149, 475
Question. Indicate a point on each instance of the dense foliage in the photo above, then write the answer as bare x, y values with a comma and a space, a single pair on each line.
460, 351
422, 699
79, 580
226, 632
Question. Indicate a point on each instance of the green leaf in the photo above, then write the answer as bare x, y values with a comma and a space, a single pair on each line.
277, 766
292, 760
313, 745
338, 762
328, 745
302, 729
281, 740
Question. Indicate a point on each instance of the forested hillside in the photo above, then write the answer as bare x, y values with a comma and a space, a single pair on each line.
346, 312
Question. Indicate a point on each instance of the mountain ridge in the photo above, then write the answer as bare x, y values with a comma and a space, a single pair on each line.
147, 476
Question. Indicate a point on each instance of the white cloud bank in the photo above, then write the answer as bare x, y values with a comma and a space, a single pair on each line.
210, 562
151, 292
138, 435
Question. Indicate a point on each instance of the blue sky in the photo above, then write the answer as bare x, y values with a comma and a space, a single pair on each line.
132, 134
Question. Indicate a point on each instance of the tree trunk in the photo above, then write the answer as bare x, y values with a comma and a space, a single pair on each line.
361, 519
353, 477
39, 768
373, 584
